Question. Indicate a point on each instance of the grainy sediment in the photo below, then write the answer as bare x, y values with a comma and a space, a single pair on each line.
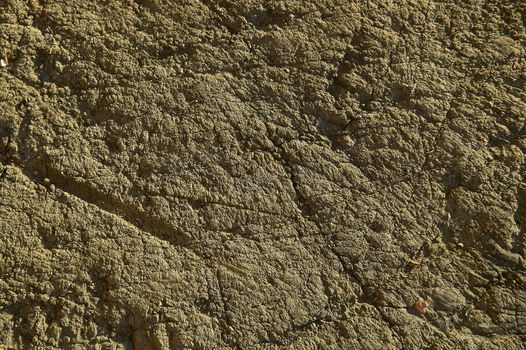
262, 174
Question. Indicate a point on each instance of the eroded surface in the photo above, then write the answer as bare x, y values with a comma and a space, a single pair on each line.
246, 175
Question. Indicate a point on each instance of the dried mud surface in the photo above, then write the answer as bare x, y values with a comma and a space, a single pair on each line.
262, 175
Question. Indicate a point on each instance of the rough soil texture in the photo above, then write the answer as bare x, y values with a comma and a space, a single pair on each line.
241, 174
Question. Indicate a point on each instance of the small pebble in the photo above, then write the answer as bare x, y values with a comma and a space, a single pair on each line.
345, 141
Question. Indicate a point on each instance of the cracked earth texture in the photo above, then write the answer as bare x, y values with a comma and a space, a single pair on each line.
244, 174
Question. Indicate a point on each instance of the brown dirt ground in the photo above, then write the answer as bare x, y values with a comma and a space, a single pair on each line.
244, 174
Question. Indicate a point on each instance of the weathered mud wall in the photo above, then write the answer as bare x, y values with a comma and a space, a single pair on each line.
276, 175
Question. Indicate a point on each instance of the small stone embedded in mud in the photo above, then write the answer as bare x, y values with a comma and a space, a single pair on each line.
345, 141
422, 305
